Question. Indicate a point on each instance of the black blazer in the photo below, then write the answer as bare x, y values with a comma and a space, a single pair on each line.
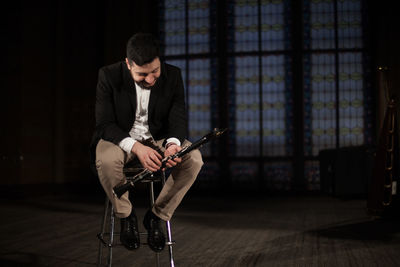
116, 105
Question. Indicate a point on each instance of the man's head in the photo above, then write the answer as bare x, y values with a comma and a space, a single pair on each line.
143, 59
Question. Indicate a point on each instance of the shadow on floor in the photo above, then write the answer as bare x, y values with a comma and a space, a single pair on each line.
374, 229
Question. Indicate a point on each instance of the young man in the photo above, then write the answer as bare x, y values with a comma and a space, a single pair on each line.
140, 114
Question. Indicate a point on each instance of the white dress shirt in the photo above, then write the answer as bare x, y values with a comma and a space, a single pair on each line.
140, 129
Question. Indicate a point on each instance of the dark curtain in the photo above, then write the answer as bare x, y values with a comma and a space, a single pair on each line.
53, 52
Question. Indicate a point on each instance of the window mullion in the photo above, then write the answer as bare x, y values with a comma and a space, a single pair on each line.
298, 183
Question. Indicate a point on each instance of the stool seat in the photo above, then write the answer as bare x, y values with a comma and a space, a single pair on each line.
132, 171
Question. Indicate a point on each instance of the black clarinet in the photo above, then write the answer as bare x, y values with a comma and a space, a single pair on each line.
119, 190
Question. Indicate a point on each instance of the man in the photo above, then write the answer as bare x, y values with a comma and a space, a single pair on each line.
140, 114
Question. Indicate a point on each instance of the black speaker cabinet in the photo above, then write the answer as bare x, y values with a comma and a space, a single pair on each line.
347, 171
327, 160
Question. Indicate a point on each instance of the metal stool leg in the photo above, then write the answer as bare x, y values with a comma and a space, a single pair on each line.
110, 245
151, 205
101, 235
169, 243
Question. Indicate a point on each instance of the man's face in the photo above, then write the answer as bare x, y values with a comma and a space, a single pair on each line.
145, 76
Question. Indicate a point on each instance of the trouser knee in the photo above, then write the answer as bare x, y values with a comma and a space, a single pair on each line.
196, 160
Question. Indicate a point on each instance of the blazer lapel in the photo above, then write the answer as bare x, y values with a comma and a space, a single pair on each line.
155, 91
153, 98
130, 89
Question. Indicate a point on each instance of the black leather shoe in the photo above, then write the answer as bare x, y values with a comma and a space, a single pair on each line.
129, 232
155, 236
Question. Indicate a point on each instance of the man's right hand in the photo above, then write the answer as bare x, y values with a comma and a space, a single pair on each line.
148, 157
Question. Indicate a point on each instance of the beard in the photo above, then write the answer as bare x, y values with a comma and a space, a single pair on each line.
145, 85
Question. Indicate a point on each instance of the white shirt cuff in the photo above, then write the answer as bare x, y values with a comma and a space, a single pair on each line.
173, 140
126, 144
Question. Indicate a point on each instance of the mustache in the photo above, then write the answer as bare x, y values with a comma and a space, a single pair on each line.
146, 85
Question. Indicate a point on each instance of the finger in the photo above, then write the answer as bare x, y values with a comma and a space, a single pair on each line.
171, 162
152, 169
151, 165
155, 159
177, 160
168, 165
174, 150
157, 155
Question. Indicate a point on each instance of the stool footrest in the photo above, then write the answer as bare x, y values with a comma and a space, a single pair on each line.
170, 243
105, 243
100, 237
107, 234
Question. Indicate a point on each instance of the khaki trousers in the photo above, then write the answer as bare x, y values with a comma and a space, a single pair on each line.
110, 161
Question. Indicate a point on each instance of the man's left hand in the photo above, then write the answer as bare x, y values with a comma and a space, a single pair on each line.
171, 150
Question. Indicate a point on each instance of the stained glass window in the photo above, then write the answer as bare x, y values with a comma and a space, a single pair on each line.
208, 176
278, 175
199, 26
245, 174
312, 174
323, 85
349, 24
187, 41
335, 95
277, 115
246, 25
174, 27
180, 63
247, 107
199, 100
322, 18
322, 21
351, 98
274, 90
274, 36
262, 89
320, 95
261, 62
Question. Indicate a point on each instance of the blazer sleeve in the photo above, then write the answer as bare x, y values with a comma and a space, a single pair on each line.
106, 124
177, 118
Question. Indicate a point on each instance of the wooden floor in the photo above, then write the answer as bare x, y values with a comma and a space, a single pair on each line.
60, 230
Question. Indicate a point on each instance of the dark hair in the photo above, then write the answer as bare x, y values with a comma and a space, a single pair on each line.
142, 48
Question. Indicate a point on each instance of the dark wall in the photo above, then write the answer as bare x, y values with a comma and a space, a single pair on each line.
53, 52
385, 40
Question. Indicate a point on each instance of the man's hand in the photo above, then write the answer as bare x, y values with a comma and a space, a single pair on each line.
172, 149
148, 157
